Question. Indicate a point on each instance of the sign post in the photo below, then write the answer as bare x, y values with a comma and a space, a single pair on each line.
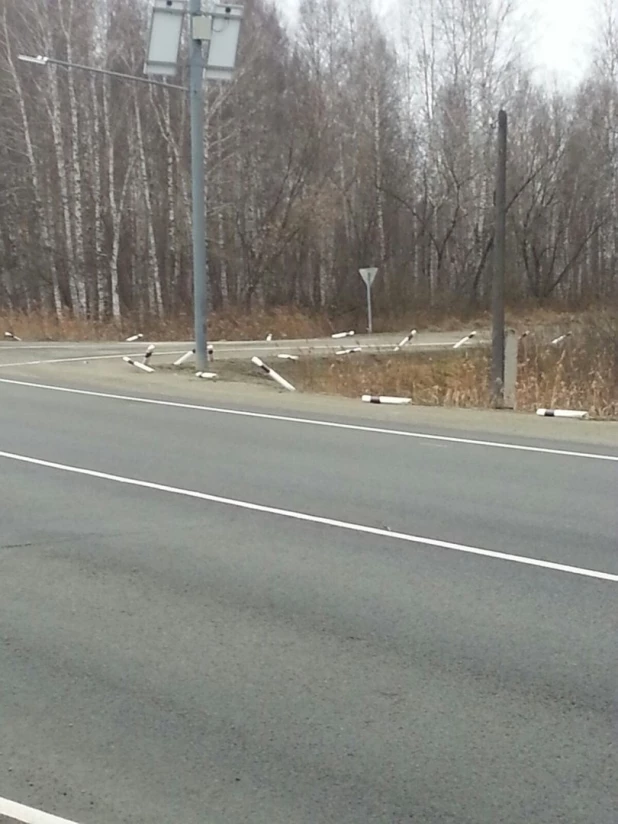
368, 275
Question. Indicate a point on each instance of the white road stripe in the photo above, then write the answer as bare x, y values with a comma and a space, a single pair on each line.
375, 430
77, 360
28, 815
313, 519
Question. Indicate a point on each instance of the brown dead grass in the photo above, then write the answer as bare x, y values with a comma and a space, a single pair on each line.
582, 373
284, 322
447, 379
229, 325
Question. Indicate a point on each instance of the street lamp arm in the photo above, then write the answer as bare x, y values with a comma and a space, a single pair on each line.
44, 61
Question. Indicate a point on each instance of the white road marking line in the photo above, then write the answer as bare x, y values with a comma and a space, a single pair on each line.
88, 345
28, 815
77, 360
313, 519
242, 347
375, 430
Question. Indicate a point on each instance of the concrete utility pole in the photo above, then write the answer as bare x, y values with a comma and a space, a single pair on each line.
497, 292
198, 189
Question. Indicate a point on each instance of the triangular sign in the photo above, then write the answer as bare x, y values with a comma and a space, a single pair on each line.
368, 275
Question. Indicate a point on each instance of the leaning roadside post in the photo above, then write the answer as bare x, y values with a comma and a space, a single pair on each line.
369, 275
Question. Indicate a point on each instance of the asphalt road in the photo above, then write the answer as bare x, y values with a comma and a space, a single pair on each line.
171, 658
13, 353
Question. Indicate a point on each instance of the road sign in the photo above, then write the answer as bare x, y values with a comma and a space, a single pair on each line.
368, 275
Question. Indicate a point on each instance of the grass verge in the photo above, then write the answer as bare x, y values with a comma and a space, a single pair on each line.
230, 325
581, 373
284, 322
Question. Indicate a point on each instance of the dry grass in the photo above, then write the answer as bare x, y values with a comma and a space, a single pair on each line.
445, 379
284, 322
230, 325
521, 318
582, 373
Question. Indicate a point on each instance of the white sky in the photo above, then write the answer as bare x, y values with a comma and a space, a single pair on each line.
562, 34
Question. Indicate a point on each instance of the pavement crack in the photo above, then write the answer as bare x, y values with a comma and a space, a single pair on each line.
15, 546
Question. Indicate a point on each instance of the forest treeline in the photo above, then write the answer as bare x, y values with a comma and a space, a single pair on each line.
341, 142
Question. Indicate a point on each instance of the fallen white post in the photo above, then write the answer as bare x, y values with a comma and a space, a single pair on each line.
133, 338
384, 399
349, 351
562, 413
405, 341
11, 336
206, 375
149, 352
272, 374
283, 356
138, 365
187, 355
343, 334
560, 338
464, 340
184, 358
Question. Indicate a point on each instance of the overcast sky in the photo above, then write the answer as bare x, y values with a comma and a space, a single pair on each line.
563, 33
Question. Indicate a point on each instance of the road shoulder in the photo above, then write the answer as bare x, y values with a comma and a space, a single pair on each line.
109, 376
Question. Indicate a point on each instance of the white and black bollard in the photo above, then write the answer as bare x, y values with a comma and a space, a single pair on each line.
11, 336
385, 399
206, 375
405, 341
283, 356
349, 351
338, 335
184, 358
187, 355
562, 413
272, 374
148, 353
133, 338
464, 340
269, 337
143, 366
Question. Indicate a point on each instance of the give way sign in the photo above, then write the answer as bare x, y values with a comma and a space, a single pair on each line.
368, 275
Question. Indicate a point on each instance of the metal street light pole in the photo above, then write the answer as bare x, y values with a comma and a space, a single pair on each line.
162, 59
197, 170
41, 60
198, 188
